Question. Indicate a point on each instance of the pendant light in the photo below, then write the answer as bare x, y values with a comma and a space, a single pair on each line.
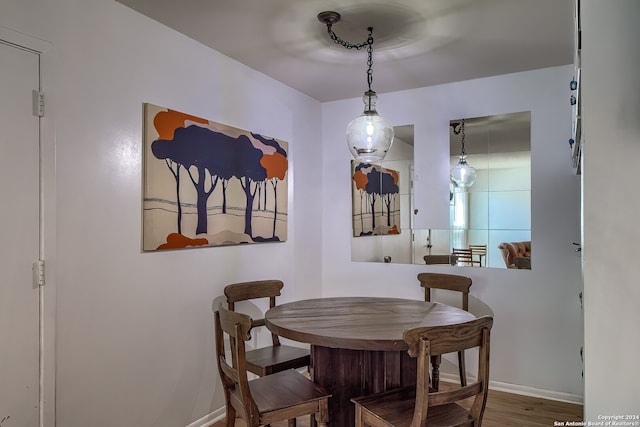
369, 136
462, 174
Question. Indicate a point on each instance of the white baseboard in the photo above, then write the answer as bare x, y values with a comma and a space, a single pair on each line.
523, 390
209, 419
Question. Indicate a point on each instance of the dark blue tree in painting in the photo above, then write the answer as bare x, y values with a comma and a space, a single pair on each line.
226, 169
373, 188
195, 148
247, 168
388, 191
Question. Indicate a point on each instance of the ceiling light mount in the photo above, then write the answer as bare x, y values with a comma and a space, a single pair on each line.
369, 136
329, 17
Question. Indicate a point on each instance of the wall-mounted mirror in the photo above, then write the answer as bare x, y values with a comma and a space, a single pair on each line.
490, 221
382, 205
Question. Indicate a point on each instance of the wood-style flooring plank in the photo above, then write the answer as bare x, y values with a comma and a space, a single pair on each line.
503, 409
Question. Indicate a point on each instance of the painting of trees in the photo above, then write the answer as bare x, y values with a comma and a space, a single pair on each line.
376, 194
201, 182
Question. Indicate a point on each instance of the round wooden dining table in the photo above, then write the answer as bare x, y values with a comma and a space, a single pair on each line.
356, 343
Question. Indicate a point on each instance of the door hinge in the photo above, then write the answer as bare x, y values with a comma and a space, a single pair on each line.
37, 269
38, 103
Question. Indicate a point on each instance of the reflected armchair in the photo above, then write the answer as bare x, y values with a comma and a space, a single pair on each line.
516, 254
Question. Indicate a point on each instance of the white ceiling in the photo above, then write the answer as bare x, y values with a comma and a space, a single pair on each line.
417, 42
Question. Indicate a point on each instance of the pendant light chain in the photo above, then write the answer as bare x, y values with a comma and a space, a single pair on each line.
462, 130
370, 58
346, 44
368, 43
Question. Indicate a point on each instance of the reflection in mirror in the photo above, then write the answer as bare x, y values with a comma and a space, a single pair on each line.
490, 221
381, 215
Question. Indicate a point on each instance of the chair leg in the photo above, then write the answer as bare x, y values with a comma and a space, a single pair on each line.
359, 416
292, 422
231, 416
435, 372
323, 414
462, 368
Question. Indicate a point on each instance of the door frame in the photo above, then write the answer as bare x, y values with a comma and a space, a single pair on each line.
47, 214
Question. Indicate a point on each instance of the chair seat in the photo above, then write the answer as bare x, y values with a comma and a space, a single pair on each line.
283, 390
395, 408
267, 360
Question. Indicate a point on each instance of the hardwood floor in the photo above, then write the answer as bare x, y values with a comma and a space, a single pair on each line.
503, 409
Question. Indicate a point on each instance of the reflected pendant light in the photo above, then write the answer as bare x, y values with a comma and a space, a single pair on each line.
462, 174
369, 136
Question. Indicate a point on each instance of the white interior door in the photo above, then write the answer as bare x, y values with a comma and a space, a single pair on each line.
19, 237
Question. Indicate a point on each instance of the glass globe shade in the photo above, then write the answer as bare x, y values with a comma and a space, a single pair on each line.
369, 136
463, 174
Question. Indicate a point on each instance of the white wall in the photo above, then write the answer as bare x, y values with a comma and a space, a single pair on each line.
611, 111
538, 322
135, 330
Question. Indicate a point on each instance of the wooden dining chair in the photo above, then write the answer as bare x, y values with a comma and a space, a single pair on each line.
450, 282
419, 406
281, 396
465, 257
277, 357
480, 251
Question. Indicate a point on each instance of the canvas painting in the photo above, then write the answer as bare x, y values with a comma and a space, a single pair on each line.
209, 184
376, 200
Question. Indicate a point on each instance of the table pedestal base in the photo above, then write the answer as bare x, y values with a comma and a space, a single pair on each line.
352, 373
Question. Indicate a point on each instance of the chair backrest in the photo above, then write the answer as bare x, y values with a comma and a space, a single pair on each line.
440, 259
233, 373
451, 282
465, 256
244, 291
425, 342
478, 249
